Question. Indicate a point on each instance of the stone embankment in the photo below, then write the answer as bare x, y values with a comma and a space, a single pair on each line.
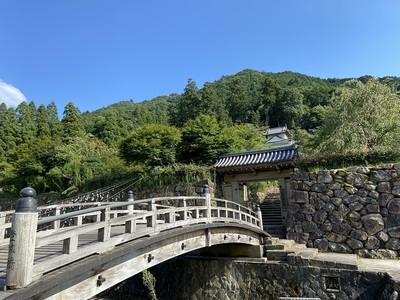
353, 210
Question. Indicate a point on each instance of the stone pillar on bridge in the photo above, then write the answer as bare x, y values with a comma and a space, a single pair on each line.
22, 241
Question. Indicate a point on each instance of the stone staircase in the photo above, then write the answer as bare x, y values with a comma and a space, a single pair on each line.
288, 251
272, 217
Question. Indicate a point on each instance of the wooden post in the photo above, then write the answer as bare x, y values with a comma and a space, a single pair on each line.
183, 214
104, 233
130, 224
22, 241
56, 224
152, 220
70, 244
2, 222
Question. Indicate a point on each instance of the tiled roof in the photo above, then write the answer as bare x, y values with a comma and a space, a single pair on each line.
282, 155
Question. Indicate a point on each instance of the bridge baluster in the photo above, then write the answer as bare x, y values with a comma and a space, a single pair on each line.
152, 220
130, 225
70, 244
105, 232
183, 214
2, 222
21, 250
56, 224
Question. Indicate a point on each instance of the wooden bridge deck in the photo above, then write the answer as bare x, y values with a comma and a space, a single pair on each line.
114, 224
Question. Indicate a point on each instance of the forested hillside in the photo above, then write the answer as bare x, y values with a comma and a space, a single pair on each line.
183, 134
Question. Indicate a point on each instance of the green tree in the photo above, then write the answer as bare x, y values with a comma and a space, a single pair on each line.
290, 110
26, 120
151, 144
187, 106
204, 139
211, 104
54, 122
72, 123
239, 105
42, 122
271, 92
81, 160
11, 129
250, 137
362, 116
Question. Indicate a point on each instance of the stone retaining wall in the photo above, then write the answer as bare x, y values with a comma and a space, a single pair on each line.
227, 279
353, 210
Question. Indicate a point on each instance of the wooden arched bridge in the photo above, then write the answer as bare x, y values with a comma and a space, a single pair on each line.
77, 250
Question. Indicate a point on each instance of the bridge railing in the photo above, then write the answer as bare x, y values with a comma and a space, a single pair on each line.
114, 223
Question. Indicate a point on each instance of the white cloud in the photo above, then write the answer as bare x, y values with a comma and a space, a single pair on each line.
10, 95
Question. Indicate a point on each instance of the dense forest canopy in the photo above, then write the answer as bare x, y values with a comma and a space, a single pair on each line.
195, 127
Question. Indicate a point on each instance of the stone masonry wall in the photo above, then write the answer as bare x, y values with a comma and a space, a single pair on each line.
226, 279
353, 210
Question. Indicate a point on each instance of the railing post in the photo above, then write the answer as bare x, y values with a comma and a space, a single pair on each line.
152, 220
2, 222
183, 214
130, 224
206, 192
56, 224
104, 233
259, 213
130, 199
21, 250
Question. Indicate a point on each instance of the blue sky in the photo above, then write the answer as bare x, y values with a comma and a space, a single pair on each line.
96, 52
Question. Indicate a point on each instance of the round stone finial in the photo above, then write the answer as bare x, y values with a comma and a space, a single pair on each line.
27, 202
130, 196
27, 192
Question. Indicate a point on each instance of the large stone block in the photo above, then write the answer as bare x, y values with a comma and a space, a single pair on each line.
359, 235
384, 187
373, 223
396, 190
324, 177
372, 243
357, 179
300, 197
353, 216
342, 228
321, 244
394, 232
394, 206
309, 226
382, 236
384, 199
320, 216
318, 187
386, 253
335, 238
393, 220
356, 206
335, 217
393, 244
380, 175
355, 244
307, 209
340, 248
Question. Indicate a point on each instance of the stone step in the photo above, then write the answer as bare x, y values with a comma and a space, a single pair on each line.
303, 257
285, 250
280, 255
